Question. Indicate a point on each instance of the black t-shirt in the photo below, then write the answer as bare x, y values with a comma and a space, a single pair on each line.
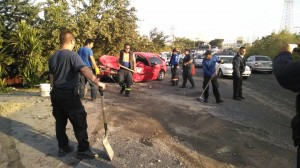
65, 66
186, 59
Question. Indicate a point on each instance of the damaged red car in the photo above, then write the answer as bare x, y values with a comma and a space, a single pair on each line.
149, 66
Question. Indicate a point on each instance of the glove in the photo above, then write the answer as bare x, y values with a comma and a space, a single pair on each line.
97, 71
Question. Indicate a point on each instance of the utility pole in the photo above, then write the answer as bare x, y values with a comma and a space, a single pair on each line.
172, 35
287, 16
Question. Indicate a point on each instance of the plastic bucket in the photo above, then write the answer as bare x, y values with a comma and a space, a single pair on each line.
45, 89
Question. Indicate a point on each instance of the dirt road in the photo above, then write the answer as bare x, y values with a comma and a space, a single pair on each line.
145, 131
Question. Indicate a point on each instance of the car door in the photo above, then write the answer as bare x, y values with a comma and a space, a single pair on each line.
143, 68
249, 61
156, 65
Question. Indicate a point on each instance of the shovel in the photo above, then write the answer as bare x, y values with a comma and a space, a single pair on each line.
121, 66
200, 99
108, 149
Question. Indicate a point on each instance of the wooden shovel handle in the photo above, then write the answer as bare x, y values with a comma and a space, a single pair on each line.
121, 66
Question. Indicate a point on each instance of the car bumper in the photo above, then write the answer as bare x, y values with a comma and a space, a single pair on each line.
262, 69
229, 73
247, 73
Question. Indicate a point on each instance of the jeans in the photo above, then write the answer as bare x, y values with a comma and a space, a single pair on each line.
82, 84
125, 77
67, 105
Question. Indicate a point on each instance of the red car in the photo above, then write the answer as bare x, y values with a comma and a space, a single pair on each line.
149, 67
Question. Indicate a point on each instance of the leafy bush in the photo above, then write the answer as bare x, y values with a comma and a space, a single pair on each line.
271, 44
32, 74
3, 84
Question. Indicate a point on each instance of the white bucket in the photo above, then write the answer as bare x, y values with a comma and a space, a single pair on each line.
45, 89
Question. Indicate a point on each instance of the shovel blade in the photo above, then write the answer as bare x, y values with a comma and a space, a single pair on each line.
108, 149
199, 99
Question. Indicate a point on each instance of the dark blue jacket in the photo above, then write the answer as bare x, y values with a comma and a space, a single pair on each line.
287, 71
209, 66
174, 60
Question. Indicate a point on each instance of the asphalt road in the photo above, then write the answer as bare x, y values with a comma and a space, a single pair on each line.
162, 126
267, 109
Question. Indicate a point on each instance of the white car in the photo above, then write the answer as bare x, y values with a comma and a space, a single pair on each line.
198, 60
225, 69
166, 56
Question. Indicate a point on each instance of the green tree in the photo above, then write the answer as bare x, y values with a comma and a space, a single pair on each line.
158, 39
117, 27
183, 43
56, 18
12, 12
270, 44
27, 49
217, 42
5, 60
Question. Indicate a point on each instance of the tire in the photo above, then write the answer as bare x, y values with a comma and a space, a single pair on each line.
161, 75
252, 71
245, 77
270, 72
220, 74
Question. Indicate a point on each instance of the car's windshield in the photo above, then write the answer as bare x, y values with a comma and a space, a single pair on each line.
262, 59
226, 59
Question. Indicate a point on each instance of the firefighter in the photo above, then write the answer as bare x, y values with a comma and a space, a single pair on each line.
174, 67
127, 59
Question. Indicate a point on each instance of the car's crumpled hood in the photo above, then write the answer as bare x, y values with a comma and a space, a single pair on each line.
109, 61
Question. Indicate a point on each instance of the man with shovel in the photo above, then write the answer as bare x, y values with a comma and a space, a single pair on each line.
64, 67
210, 74
127, 66
287, 73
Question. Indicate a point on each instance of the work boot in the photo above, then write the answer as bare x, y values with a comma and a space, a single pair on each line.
193, 87
63, 151
176, 82
241, 97
219, 101
182, 87
173, 83
122, 89
205, 100
127, 92
88, 154
237, 98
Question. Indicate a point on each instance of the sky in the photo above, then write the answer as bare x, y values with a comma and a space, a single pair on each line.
211, 19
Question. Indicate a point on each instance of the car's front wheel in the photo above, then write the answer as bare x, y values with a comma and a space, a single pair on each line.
161, 75
252, 70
